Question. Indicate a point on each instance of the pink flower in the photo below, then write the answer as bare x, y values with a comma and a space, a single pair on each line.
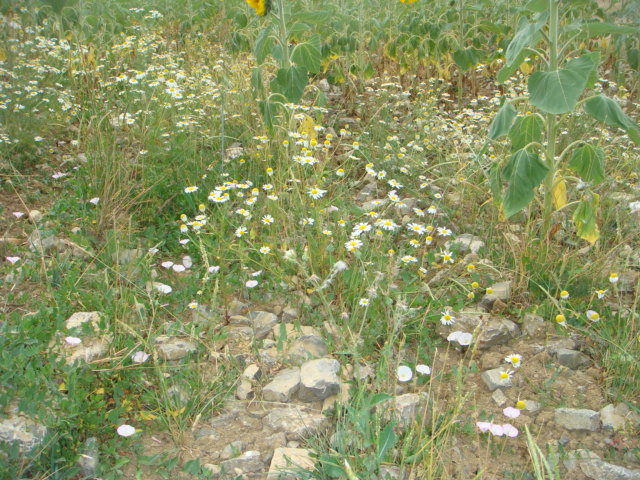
484, 426
12, 260
497, 430
511, 412
18, 214
73, 341
509, 430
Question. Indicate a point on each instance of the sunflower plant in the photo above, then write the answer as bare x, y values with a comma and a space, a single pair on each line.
539, 156
294, 63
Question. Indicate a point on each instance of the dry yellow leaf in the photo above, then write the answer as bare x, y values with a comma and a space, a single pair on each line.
307, 127
3, 57
559, 194
147, 416
526, 68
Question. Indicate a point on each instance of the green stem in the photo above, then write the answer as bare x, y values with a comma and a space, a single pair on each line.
551, 126
284, 36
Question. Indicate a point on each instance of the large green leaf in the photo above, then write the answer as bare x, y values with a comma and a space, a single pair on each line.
528, 34
600, 28
588, 161
508, 70
290, 82
502, 121
316, 16
263, 45
608, 111
495, 183
468, 57
585, 219
307, 54
558, 91
525, 130
524, 172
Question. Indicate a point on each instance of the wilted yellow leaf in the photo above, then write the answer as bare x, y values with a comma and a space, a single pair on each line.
525, 68
62, 387
147, 416
99, 391
307, 127
559, 194
175, 413
3, 57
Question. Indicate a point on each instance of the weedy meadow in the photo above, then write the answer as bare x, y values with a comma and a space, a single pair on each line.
439, 199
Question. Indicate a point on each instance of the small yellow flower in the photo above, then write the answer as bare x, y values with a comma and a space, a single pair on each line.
561, 320
521, 404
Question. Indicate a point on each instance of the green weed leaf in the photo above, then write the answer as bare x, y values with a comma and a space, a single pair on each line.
387, 441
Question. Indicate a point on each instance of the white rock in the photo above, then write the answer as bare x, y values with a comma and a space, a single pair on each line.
284, 385
287, 461
296, 423
319, 379
577, 419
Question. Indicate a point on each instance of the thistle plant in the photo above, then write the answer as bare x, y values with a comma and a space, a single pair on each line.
537, 155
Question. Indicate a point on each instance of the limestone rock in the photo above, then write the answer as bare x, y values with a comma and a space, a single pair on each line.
295, 422
91, 348
319, 379
232, 450
129, 255
501, 291
248, 462
88, 461
204, 314
466, 243
289, 314
287, 461
532, 324
18, 428
572, 359
262, 323
616, 417
595, 468
492, 330
80, 318
173, 348
284, 385
307, 347
499, 397
245, 390
493, 380
239, 320
577, 419
406, 408
252, 372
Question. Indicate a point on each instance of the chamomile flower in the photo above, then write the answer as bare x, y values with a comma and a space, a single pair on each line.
506, 375
364, 302
444, 231
409, 259
416, 228
447, 257
561, 320
593, 315
193, 305
265, 250
267, 220
613, 278
514, 359
471, 268
240, 231
353, 244
316, 193
191, 189
564, 295
601, 293
447, 318
360, 228
521, 404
